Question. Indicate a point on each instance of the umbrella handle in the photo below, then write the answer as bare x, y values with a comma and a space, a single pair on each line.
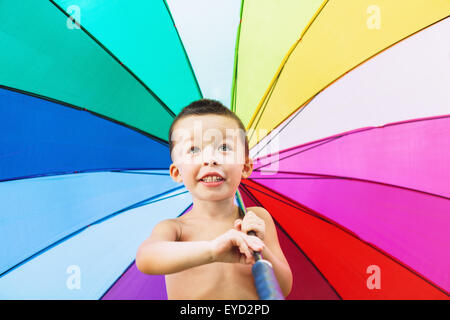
265, 280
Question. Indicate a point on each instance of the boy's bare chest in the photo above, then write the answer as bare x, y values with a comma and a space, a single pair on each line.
211, 281
200, 230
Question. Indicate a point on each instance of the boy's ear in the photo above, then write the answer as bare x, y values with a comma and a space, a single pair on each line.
175, 173
248, 168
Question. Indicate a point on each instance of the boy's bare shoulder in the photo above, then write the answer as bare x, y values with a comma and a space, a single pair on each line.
167, 228
261, 212
171, 223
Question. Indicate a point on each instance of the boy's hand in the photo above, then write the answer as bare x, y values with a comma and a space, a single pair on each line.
251, 222
235, 247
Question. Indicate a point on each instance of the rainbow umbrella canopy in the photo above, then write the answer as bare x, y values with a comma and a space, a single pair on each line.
347, 109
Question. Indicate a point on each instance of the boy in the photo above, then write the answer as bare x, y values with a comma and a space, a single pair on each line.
206, 253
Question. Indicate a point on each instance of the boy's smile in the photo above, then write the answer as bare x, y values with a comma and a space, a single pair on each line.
209, 156
212, 179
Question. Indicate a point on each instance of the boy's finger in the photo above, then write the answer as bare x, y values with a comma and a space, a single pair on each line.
254, 238
250, 213
248, 225
238, 224
243, 246
250, 249
256, 243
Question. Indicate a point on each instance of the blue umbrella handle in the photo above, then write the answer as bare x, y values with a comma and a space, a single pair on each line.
265, 280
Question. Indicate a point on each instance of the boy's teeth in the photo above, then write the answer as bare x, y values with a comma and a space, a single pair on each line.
212, 179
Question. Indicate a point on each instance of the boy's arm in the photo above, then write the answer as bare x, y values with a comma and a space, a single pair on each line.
272, 251
161, 253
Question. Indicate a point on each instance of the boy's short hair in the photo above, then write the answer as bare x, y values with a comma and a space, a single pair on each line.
204, 107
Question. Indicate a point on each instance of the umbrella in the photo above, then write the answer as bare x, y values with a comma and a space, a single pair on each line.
347, 110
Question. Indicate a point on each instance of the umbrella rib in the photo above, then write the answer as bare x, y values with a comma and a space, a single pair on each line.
264, 105
249, 194
49, 174
305, 103
298, 206
184, 49
57, 242
284, 124
185, 210
131, 264
296, 153
325, 140
171, 113
135, 172
284, 61
146, 202
235, 67
341, 135
291, 178
73, 106
117, 280
317, 215
328, 176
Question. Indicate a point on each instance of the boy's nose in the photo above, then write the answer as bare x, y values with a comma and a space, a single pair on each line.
209, 157
210, 161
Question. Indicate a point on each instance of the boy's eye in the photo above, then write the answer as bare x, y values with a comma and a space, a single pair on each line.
222, 147
192, 149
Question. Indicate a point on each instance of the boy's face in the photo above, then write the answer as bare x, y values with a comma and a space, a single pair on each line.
205, 144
